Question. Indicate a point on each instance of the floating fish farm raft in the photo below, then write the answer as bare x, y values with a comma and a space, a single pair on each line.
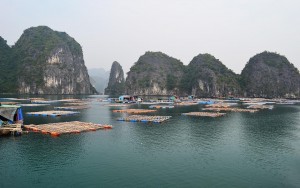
52, 113
44, 101
56, 129
161, 106
204, 114
144, 118
185, 104
232, 110
134, 111
217, 105
33, 105
261, 107
14, 99
9, 103
40, 101
76, 104
117, 105
72, 107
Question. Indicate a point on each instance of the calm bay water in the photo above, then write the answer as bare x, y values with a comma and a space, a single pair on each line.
237, 150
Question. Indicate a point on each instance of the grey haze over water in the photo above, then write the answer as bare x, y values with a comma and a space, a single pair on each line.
119, 30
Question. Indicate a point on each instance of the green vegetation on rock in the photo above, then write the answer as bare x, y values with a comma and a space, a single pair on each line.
7, 74
116, 83
270, 75
50, 62
155, 73
207, 76
46, 62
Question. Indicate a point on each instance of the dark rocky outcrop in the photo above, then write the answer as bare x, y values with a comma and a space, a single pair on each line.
50, 62
116, 83
206, 76
270, 75
154, 73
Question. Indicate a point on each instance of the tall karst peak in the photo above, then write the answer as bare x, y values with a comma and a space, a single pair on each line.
116, 83
155, 73
270, 75
206, 76
50, 62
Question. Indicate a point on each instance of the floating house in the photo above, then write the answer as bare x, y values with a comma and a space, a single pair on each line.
11, 120
129, 99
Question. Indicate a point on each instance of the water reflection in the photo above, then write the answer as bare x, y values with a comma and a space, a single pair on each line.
269, 128
267, 138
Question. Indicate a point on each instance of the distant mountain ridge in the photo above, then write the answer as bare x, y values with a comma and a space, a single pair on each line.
99, 78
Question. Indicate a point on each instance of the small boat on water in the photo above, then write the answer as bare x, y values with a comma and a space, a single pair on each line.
11, 120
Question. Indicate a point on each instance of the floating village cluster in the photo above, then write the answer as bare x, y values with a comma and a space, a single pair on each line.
13, 122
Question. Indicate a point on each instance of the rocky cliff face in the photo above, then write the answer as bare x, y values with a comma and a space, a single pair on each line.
6, 77
206, 76
270, 75
116, 83
50, 62
154, 73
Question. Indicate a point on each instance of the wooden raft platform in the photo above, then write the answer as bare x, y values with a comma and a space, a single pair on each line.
161, 106
232, 110
44, 101
117, 105
33, 105
9, 103
76, 104
185, 104
134, 111
204, 114
13, 129
260, 107
218, 105
52, 113
71, 107
56, 129
144, 118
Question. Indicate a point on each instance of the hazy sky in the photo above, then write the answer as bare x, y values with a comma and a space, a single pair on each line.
122, 30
